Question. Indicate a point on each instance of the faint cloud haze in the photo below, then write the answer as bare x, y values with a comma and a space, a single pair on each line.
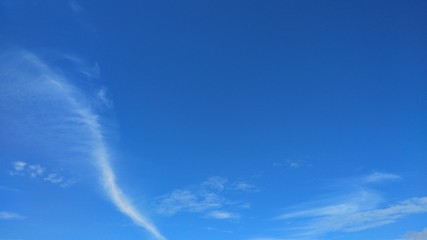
10, 216
422, 235
218, 214
378, 177
77, 8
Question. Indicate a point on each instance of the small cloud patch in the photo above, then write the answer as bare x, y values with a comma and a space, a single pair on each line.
218, 214
37, 171
210, 197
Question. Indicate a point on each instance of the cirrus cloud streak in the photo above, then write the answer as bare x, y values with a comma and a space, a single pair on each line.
61, 112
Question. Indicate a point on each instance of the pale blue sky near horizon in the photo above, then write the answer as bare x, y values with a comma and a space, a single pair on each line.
239, 120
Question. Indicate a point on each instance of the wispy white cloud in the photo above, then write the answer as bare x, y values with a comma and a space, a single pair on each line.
10, 216
348, 217
378, 177
102, 96
422, 235
351, 203
51, 86
209, 197
100, 154
360, 210
85, 68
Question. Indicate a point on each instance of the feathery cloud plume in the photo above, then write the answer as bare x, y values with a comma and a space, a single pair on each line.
44, 86
349, 217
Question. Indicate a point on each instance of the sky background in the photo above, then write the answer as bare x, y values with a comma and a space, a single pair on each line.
238, 120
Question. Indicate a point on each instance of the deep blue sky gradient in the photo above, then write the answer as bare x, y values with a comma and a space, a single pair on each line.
236, 89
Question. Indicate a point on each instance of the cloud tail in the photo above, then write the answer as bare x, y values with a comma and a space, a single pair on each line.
109, 179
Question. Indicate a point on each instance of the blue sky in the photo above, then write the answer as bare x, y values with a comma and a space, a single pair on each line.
239, 120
